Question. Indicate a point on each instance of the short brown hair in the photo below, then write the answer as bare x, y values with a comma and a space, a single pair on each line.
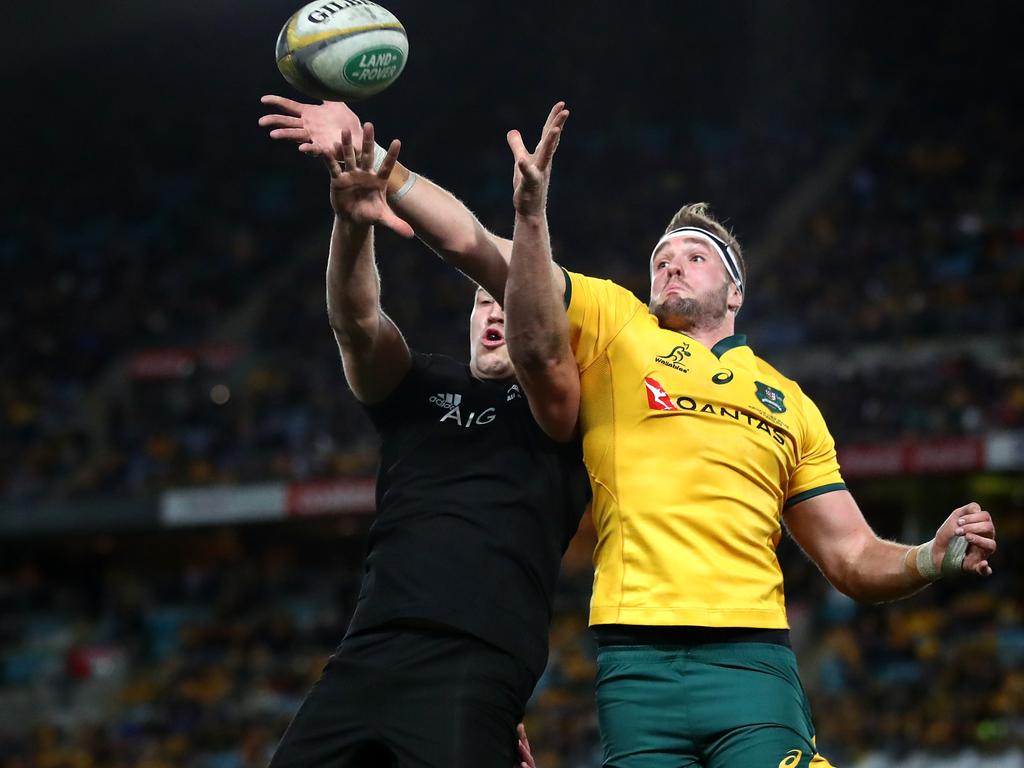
699, 215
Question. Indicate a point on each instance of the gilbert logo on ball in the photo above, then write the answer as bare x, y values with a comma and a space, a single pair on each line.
342, 50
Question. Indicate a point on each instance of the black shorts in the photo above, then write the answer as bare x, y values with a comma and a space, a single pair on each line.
410, 697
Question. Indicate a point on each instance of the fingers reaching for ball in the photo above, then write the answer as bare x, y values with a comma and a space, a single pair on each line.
551, 134
390, 159
290, 106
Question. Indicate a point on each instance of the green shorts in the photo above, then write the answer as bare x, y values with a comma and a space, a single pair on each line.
713, 705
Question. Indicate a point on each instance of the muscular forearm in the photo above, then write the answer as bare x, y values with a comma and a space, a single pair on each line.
883, 571
536, 325
450, 229
353, 286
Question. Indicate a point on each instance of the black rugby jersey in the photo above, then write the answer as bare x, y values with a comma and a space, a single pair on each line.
475, 507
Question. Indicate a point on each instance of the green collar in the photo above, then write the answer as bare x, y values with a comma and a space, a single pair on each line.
729, 342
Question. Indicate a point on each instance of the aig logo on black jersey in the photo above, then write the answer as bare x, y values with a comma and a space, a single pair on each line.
452, 405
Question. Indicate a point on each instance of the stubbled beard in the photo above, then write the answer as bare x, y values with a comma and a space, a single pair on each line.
690, 313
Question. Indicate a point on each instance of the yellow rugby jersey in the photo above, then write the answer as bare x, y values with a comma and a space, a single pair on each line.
693, 453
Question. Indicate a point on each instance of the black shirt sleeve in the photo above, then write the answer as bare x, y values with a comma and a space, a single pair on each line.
389, 411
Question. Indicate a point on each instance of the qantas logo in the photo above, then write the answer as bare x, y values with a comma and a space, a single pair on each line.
659, 400
657, 397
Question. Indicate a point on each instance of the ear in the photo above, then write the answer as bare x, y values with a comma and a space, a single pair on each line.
735, 299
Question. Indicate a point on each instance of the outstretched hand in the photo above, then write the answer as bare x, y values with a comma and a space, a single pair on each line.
976, 526
358, 194
533, 171
315, 127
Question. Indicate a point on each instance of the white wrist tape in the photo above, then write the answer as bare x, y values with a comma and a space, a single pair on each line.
404, 189
952, 561
379, 153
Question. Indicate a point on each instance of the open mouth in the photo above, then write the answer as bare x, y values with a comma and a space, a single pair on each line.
493, 338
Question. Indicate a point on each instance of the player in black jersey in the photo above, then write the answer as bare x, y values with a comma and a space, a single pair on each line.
475, 506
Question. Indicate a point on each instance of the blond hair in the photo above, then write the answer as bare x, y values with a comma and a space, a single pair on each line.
699, 215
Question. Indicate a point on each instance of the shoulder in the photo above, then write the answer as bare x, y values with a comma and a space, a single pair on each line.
776, 384
583, 287
426, 373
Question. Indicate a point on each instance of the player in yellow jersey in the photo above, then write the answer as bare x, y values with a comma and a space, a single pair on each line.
698, 451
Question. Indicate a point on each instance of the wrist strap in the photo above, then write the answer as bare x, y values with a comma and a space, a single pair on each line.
379, 154
952, 562
404, 189
925, 564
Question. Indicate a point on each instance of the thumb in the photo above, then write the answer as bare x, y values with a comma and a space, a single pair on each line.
529, 171
333, 166
515, 143
398, 225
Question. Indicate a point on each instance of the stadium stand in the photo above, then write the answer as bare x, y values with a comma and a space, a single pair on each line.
168, 337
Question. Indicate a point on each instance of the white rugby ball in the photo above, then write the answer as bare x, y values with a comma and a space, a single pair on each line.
342, 50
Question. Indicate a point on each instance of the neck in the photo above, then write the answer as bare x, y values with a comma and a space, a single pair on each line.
711, 336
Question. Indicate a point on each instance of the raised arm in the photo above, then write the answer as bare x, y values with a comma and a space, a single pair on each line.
832, 531
440, 219
373, 352
536, 326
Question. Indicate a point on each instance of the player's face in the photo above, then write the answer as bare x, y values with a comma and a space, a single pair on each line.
488, 355
689, 285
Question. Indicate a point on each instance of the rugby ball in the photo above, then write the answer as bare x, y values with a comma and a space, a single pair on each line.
342, 50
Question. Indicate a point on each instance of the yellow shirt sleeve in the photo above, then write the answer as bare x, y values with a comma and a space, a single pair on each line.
817, 470
597, 310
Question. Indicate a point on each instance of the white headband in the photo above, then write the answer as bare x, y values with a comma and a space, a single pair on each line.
721, 248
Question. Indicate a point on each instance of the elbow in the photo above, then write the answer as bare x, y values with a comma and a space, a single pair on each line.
459, 245
857, 584
851, 590
848, 565
552, 388
843, 575
535, 348
559, 428
535, 359
556, 411
352, 332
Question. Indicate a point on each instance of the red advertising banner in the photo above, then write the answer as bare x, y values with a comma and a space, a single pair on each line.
331, 496
913, 457
179, 362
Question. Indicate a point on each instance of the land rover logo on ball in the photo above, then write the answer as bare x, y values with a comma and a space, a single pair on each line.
375, 65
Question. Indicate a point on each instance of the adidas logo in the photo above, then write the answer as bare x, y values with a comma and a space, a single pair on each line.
446, 400
513, 393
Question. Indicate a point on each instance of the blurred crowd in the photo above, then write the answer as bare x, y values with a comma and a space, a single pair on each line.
195, 652
163, 323
918, 238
